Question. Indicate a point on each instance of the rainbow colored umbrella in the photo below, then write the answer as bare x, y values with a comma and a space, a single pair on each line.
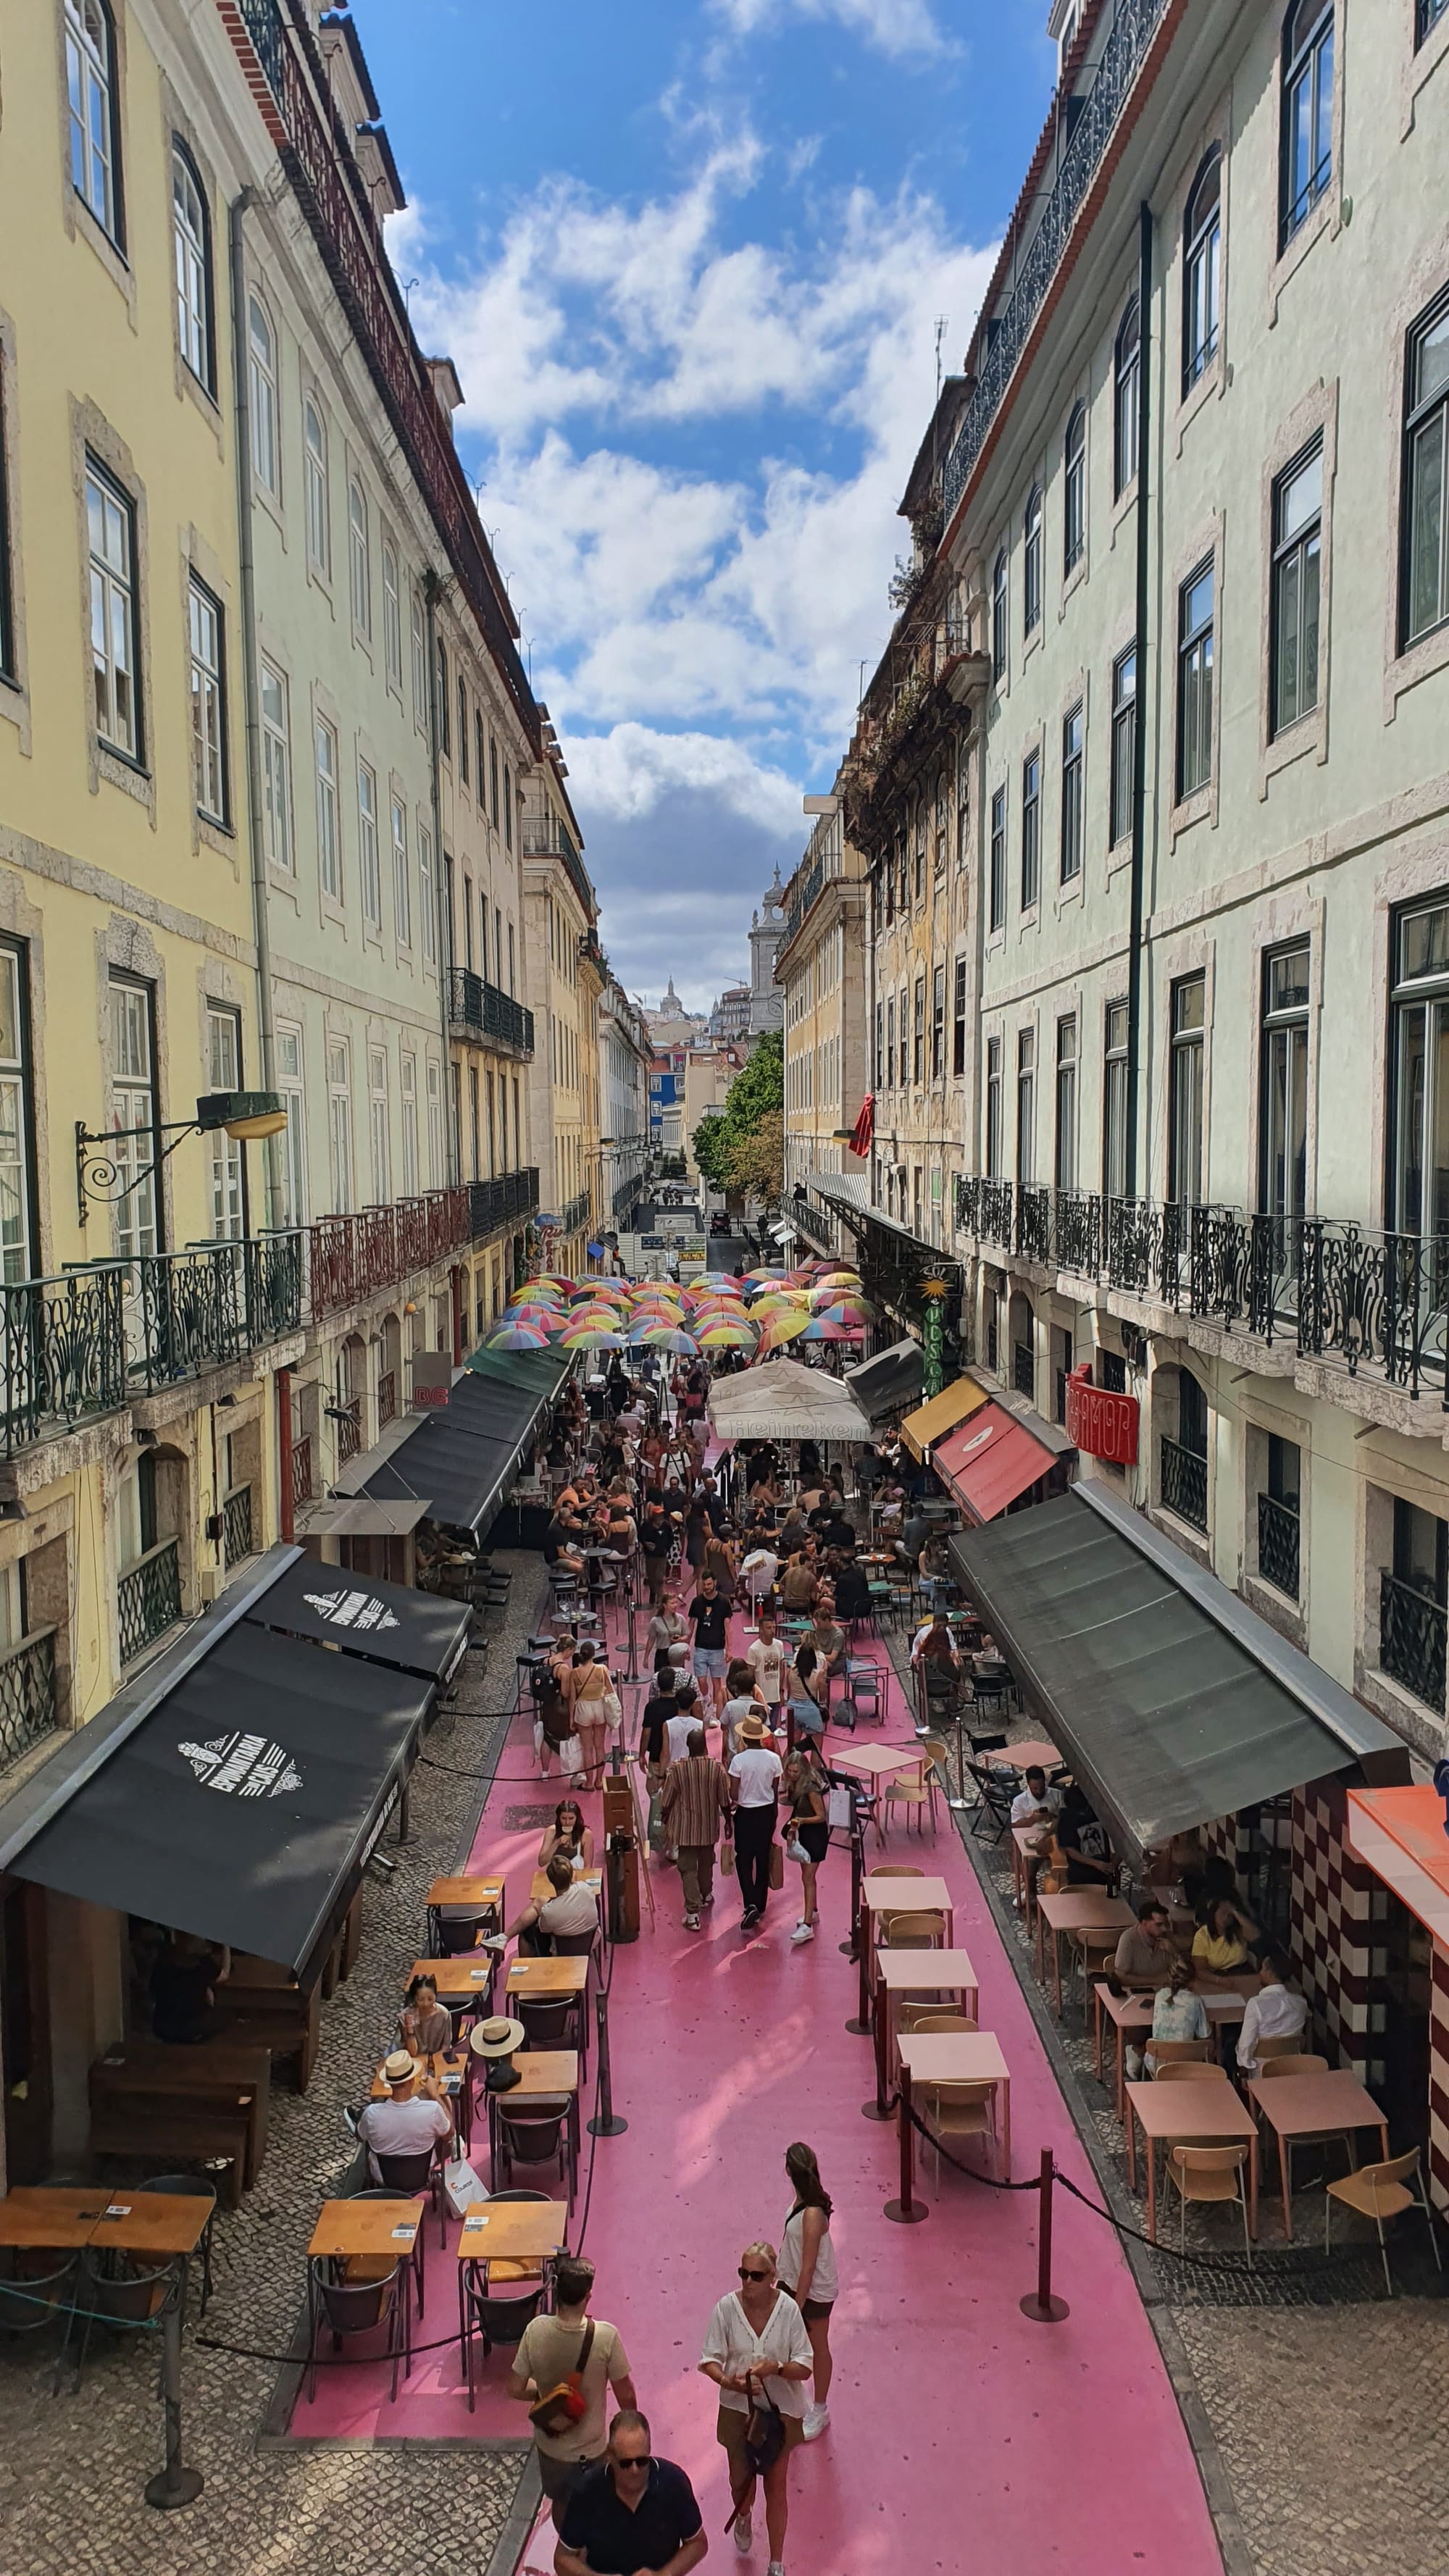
725, 1336
517, 1337
591, 1337
664, 1337
817, 1331
846, 1310
783, 1328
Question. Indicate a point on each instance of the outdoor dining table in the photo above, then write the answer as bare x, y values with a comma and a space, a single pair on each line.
1301, 2106
1036, 1756
446, 1894
58, 2217
541, 1886
1074, 1909
948, 1974
1189, 2115
891, 1895
962, 2057
1133, 2012
464, 1980
513, 2231
544, 2074
550, 1980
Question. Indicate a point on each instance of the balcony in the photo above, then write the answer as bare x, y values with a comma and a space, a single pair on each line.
148, 1599
1038, 263
570, 1218
1278, 1531
1023, 1370
351, 1258
480, 1014
1033, 1222
347, 1425
1411, 1639
236, 1525
302, 1487
545, 837
29, 1709
502, 1201
1184, 1484
386, 1397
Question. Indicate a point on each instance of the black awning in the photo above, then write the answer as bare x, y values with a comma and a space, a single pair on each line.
460, 1461
382, 1623
243, 1806
1173, 1702
891, 1382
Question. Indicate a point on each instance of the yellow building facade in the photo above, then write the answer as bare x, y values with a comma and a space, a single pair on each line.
567, 974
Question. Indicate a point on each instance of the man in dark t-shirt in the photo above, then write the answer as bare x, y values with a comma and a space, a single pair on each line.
632, 2515
710, 1612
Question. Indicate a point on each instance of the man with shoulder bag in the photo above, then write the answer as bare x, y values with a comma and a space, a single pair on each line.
563, 2370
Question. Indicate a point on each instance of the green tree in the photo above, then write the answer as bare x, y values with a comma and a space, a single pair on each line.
709, 1148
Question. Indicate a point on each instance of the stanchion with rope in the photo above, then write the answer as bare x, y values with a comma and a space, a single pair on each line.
907, 2211
606, 2122
879, 2107
175, 2485
1041, 2305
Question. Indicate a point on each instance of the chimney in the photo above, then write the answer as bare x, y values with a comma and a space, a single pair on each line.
445, 385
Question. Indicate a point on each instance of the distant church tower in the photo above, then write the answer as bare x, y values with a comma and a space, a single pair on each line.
767, 929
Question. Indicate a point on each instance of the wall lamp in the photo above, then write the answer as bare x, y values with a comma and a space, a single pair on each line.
244, 1116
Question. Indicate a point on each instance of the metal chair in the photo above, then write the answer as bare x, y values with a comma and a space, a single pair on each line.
113, 2291
1379, 2192
345, 2308
191, 2187
993, 1801
498, 2320
551, 2021
535, 2132
457, 1934
418, 2175
31, 2301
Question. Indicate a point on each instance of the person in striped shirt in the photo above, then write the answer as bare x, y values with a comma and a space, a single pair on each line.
696, 1803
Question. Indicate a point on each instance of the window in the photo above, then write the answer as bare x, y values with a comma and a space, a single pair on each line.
1427, 16
1425, 580
1124, 746
1307, 129
339, 1123
920, 879
427, 894
508, 815
996, 892
420, 661
880, 1061
276, 769
1185, 1140
409, 1102
293, 1142
224, 1063
1126, 391
436, 1159
135, 1113
329, 847
938, 1024
905, 1025
1195, 681
1202, 271
1419, 1071
115, 659
492, 778
1066, 1141
1116, 1074
402, 896
1072, 724
192, 231
17, 1230
1297, 537
359, 559
1026, 1107
369, 870
90, 79
445, 713
890, 1063
958, 1020
208, 702
1030, 830
391, 617
918, 1031
1031, 566
378, 1124
1192, 1414
468, 923
7, 597
479, 770
1284, 1145
1074, 489
999, 628
262, 395
463, 730
314, 487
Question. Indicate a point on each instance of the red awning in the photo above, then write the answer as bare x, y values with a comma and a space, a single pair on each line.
1400, 1833
989, 1461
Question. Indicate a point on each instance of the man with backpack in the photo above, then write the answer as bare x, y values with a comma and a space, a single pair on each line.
563, 2370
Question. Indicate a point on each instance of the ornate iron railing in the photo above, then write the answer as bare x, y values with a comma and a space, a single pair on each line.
29, 1706
302, 1470
1377, 1300
148, 1599
1411, 1639
575, 1214
347, 1423
1078, 1235
502, 1201
236, 1525
544, 837
1033, 1222
351, 1258
479, 1010
1184, 1483
1135, 24
1278, 1530
994, 1212
1023, 1370
386, 1397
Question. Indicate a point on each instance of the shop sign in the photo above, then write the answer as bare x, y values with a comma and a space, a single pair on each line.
1101, 1423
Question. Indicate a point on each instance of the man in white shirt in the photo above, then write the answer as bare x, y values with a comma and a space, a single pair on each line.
765, 1655
413, 2117
755, 1775
1035, 1803
1274, 2012
572, 1907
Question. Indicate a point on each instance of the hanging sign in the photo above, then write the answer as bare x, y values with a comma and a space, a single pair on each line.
1100, 1423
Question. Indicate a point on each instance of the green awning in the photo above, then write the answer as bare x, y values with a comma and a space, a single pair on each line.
537, 1372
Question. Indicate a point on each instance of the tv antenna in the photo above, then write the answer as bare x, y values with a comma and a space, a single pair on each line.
942, 319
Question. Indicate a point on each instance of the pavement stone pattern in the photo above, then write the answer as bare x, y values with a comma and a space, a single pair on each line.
72, 2468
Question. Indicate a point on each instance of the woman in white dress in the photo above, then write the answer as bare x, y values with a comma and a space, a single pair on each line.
757, 2347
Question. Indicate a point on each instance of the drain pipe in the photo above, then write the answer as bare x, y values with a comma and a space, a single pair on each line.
1139, 728
261, 932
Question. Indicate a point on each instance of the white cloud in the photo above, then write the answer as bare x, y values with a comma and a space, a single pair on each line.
627, 773
897, 26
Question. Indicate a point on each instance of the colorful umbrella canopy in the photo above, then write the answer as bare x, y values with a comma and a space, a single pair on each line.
846, 1310
817, 1331
664, 1337
517, 1337
591, 1337
784, 1328
727, 1336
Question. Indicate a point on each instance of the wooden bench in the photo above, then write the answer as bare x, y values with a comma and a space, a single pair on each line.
167, 2128
213, 2075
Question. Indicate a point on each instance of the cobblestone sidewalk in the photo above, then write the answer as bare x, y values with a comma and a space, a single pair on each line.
72, 2468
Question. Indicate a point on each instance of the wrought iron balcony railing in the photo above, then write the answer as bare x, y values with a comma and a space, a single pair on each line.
1184, 1483
1133, 27
347, 1424
148, 1599
236, 1525
1023, 1370
350, 1258
302, 1470
545, 837
1412, 1632
575, 1214
29, 1702
1278, 1532
386, 1397
1033, 1222
479, 1010
502, 1201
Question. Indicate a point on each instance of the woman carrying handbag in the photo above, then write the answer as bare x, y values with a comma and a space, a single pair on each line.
758, 2353
808, 1838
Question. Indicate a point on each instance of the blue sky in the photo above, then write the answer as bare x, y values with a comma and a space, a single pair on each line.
688, 257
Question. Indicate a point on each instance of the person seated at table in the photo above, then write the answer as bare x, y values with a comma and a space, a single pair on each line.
1220, 1943
915, 1531
852, 1590
828, 1640
935, 1572
1084, 1843
562, 1543
764, 1494
835, 1531
1144, 1956
1035, 1803
1273, 2012
567, 1834
799, 1584
1177, 2013
184, 1980
424, 2025
933, 1643
793, 1534
572, 1907
413, 2118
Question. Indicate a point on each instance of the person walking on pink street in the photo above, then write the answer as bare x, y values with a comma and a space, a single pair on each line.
696, 1803
807, 2270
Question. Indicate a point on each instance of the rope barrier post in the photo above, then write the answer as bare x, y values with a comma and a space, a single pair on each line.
878, 2108
606, 2122
907, 2211
849, 1948
1041, 2306
175, 2485
862, 2021
960, 1802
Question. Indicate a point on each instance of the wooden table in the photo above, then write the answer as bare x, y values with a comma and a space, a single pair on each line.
906, 1896
1189, 2115
483, 1894
541, 1887
1134, 2012
1035, 1756
1075, 1909
542, 2073
550, 1977
153, 2222
449, 2071
352, 2228
59, 2219
527, 2232
877, 1761
468, 1979
1298, 2106
963, 2057
926, 1972
221, 2075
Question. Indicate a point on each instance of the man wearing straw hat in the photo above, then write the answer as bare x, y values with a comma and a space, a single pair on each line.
413, 2117
755, 1773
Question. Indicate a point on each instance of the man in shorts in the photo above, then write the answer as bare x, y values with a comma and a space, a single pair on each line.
709, 1613
550, 2351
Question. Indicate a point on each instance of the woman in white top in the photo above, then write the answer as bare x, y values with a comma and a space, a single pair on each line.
807, 2270
757, 2346
587, 1691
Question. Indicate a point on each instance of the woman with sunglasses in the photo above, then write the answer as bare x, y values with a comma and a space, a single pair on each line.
757, 2351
